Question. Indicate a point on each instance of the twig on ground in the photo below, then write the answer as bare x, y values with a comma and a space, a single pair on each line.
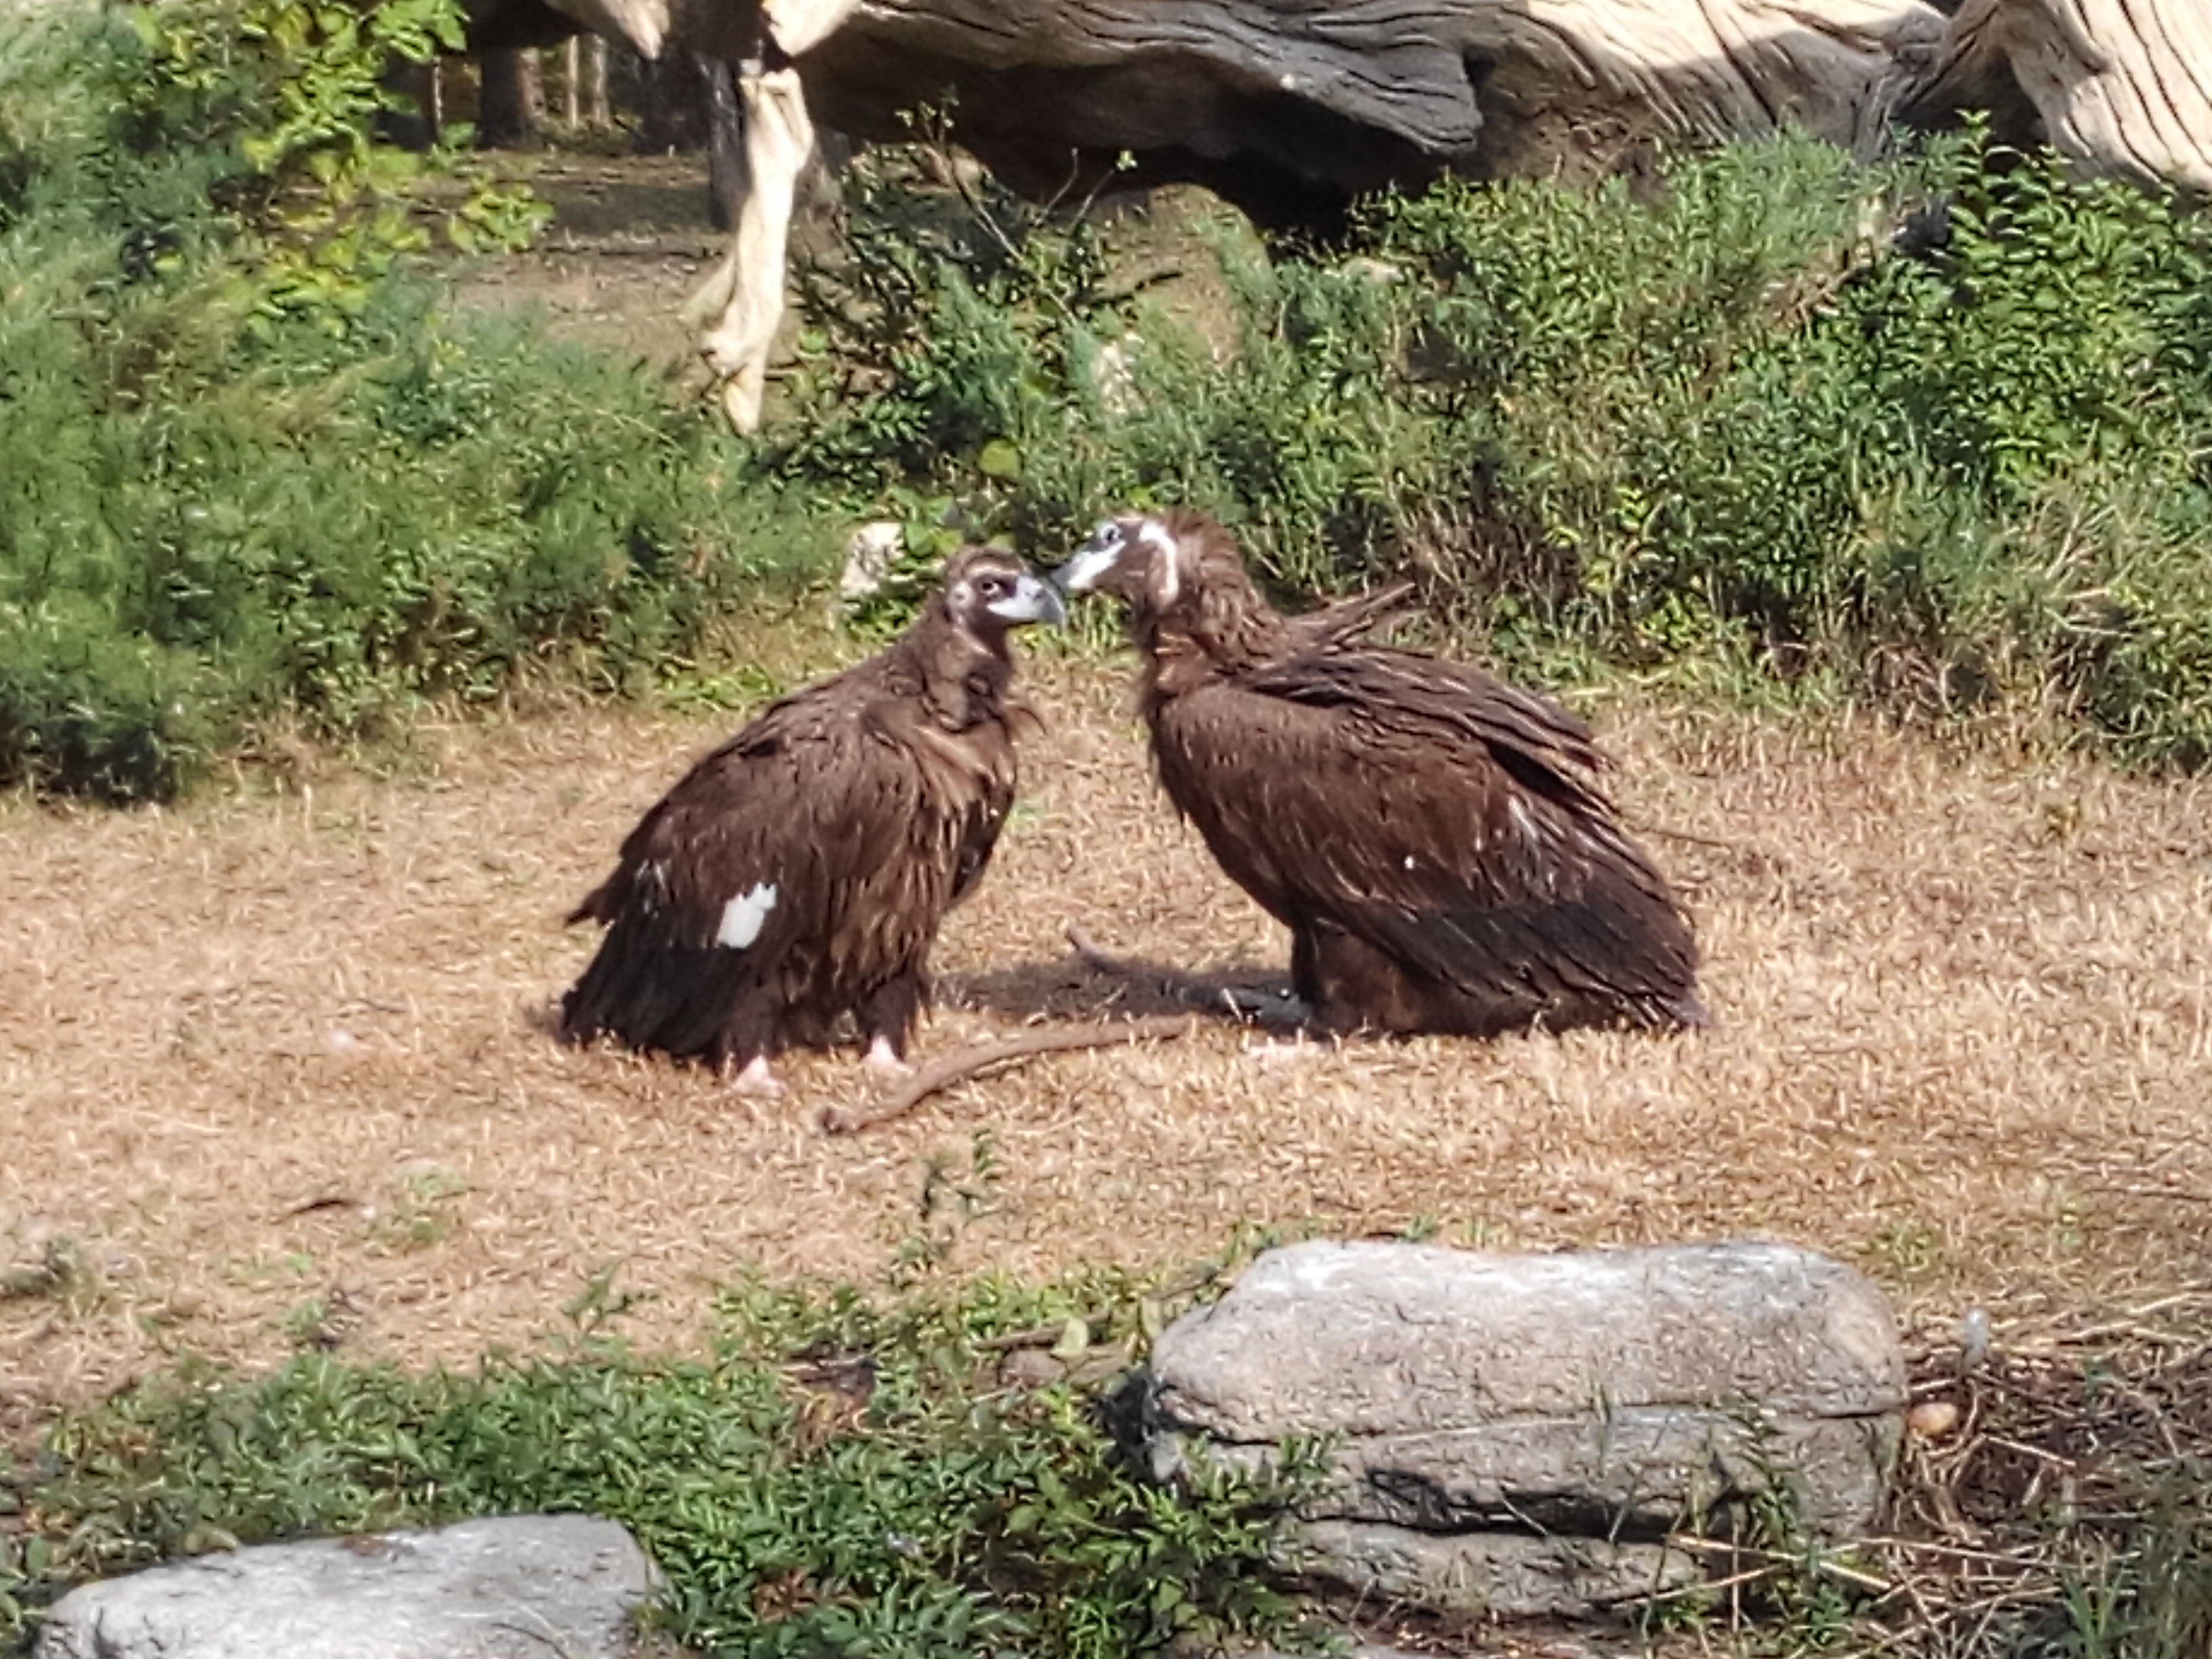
1819, 1561
1742, 848
978, 1057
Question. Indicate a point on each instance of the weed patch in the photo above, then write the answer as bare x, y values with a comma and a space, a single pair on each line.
843, 1474
1932, 434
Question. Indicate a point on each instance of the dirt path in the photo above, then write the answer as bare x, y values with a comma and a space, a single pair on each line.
630, 242
274, 1070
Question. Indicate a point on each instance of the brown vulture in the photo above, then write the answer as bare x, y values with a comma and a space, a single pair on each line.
799, 872
1436, 840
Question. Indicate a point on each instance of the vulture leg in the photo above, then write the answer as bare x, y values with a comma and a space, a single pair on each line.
888, 1016
757, 1081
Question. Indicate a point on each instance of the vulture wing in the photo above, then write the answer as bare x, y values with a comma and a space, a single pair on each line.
1451, 822
744, 885
1340, 623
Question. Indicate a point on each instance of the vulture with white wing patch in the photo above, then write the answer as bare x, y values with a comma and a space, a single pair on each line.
1436, 840
799, 872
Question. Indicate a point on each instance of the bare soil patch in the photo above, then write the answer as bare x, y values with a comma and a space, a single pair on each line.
630, 241
274, 1069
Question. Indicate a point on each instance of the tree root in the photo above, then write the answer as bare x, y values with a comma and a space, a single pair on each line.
977, 1058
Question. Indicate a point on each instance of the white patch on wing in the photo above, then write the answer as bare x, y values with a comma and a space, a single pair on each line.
1522, 822
743, 916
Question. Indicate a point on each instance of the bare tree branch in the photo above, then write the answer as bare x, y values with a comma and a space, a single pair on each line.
979, 1057
1249, 1004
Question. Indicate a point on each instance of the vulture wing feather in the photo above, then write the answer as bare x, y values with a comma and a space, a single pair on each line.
1448, 821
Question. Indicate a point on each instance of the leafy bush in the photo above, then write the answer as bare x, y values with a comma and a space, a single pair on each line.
1935, 431
247, 462
841, 1476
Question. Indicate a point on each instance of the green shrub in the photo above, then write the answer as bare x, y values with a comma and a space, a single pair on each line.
1935, 432
843, 1475
251, 466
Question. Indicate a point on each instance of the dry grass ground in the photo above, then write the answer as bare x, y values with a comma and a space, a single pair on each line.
273, 1068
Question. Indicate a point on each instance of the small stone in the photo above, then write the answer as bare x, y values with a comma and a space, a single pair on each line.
1931, 1420
510, 1586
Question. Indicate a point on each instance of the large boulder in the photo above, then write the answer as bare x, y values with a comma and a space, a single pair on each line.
515, 1587
1522, 1434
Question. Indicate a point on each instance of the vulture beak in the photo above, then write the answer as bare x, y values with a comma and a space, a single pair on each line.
1033, 601
1092, 560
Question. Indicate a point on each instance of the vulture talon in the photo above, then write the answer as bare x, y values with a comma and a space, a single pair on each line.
882, 1060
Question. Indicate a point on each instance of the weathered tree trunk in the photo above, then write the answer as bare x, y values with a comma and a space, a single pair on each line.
1289, 109
1286, 106
512, 101
746, 297
599, 113
415, 128
2126, 85
727, 179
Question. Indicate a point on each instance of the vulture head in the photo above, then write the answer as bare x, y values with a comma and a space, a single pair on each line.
1137, 558
1180, 575
986, 590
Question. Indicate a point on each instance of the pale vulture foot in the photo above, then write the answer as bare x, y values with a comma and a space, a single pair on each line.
1278, 1010
1272, 1052
756, 1081
882, 1060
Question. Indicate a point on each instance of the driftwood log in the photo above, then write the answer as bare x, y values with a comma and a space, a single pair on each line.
2125, 85
1289, 109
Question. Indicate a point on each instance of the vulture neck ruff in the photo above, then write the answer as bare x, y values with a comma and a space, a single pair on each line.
1213, 621
962, 678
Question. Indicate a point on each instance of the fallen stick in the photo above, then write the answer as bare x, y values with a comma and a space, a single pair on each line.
1095, 957
978, 1057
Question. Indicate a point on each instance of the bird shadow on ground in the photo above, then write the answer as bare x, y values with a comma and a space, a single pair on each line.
1087, 984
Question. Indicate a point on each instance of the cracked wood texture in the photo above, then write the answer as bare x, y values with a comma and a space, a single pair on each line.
1290, 108
1286, 105
1295, 104
2124, 84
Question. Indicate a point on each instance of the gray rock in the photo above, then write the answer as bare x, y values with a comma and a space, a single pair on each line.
1519, 1641
1514, 1573
515, 1587
1494, 1417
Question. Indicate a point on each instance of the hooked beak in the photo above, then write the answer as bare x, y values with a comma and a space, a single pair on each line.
1092, 560
1033, 601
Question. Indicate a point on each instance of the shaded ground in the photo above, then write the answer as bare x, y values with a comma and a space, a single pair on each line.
630, 242
274, 1069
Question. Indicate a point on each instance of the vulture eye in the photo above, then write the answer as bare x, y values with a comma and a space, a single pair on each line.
994, 587
1108, 534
